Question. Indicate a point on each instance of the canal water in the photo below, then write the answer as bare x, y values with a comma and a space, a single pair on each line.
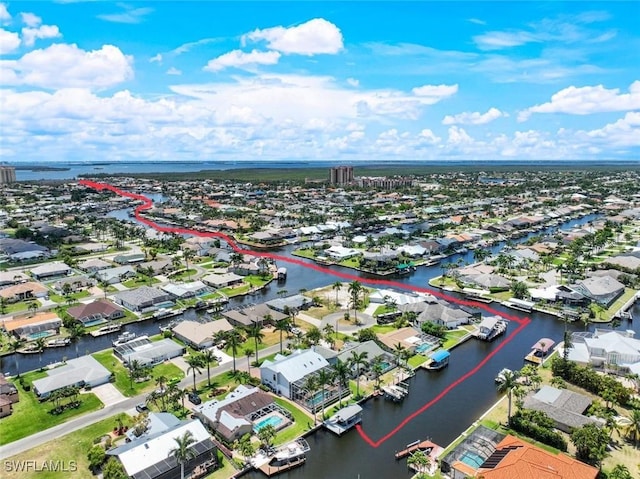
350, 456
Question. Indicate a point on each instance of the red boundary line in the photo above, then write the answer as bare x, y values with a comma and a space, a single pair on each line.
147, 204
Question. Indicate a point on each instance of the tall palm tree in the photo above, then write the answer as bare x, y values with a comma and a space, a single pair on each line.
161, 382
310, 387
358, 360
633, 429
337, 286
256, 333
234, 340
398, 352
341, 371
40, 344
188, 254
183, 451
76, 330
355, 288
282, 325
566, 347
377, 369
248, 353
208, 357
508, 385
195, 363
329, 334
325, 377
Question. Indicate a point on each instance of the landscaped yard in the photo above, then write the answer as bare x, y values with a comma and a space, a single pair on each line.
72, 447
123, 383
452, 337
58, 298
140, 280
31, 416
303, 422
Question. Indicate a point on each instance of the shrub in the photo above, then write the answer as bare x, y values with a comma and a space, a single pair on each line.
538, 426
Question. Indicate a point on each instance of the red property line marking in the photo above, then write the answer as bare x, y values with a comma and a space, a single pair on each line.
147, 204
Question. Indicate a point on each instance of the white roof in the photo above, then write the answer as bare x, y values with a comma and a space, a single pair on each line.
297, 365
50, 268
614, 342
158, 448
85, 368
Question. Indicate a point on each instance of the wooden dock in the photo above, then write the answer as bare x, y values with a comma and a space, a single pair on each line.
425, 446
274, 470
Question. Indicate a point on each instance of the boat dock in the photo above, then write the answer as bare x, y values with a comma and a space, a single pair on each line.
284, 458
396, 392
490, 328
344, 419
269, 470
425, 446
112, 328
539, 351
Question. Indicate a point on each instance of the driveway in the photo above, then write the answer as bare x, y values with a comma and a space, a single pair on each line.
108, 394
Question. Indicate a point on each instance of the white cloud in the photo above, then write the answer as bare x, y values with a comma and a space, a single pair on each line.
9, 42
310, 38
477, 21
623, 133
240, 59
458, 136
156, 58
500, 40
61, 66
586, 100
429, 137
353, 82
174, 71
5, 16
435, 93
29, 35
31, 20
130, 15
475, 118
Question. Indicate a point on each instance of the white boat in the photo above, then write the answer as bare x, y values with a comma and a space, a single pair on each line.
112, 328
290, 453
502, 374
57, 343
124, 338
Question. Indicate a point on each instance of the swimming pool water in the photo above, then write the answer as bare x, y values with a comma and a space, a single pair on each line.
472, 459
274, 421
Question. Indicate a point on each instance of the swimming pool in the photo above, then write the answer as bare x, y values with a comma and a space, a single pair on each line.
472, 459
40, 334
274, 421
422, 348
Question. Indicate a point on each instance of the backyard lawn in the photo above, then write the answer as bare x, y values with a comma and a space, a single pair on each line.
123, 383
303, 422
31, 416
72, 447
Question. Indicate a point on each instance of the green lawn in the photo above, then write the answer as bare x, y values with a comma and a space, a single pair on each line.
140, 281
18, 307
308, 253
302, 423
72, 447
417, 360
183, 275
123, 383
452, 337
31, 416
57, 298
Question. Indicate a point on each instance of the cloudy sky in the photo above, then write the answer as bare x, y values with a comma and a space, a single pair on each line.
352, 81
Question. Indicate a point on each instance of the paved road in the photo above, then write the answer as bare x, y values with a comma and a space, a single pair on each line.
22, 445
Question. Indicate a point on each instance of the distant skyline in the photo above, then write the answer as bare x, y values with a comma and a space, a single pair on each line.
345, 81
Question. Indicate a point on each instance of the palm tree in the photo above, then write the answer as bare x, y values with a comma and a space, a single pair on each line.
509, 383
337, 286
76, 330
566, 347
248, 353
161, 382
398, 352
33, 307
633, 429
282, 325
310, 387
377, 369
183, 451
195, 363
135, 371
325, 377
40, 344
341, 371
357, 360
329, 335
419, 461
208, 357
234, 340
314, 335
256, 333
355, 288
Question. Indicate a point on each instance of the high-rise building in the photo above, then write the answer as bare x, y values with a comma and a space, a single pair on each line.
341, 175
7, 174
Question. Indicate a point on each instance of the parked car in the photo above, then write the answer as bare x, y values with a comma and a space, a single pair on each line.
141, 407
194, 398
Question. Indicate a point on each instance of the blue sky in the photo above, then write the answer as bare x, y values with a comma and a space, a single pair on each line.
352, 81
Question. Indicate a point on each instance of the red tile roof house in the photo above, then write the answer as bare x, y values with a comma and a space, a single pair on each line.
99, 309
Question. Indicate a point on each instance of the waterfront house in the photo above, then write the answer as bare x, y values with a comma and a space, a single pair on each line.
139, 299
8, 396
285, 374
150, 457
222, 280
98, 311
297, 302
515, 458
50, 270
83, 371
235, 415
148, 352
31, 327
566, 408
373, 352
441, 313
185, 290
200, 335
615, 351
603, 290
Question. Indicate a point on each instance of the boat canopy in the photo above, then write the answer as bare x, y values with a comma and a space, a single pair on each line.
440, 355
544, 344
